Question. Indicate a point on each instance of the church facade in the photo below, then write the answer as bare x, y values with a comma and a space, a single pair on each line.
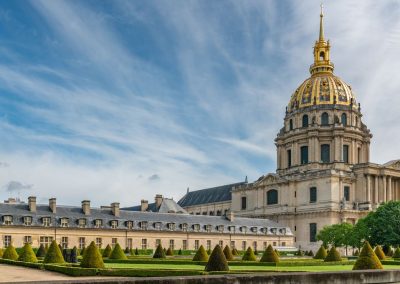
324, 175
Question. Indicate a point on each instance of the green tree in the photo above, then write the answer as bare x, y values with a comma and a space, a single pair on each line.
41, 251
159, 253
117, 253
367, 259
27, 254
269, 255
228, 253
321, 253
338, 235
201, 254
249, 255
217, 261
10, 253
107, 251
54, 255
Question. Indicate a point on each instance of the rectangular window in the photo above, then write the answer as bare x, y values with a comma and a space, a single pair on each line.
265, 245
99, 242
196, 244
45, 240
232, 244
129, 224
64, 242
82, 223
82, 242
304, 155
114, 224
129, 243
184, 227
289, 158
143, 225
346, 193
184, 244
27, 220
98, 223
313, 232
114, 241
7, 220
46, 221
221, 244
254, 246
208, 246
244, 244
283, 244
244, 203
7, 241
172, 244
313, 194
346, 154
144, 243
325, 153
64, 222
274, 244
27, 239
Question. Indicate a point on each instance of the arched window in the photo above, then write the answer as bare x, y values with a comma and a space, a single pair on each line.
321, 55
344, 119
325, 153
244, 203
304, 155
356, 122
291, 124
305, 120
272, 196
324, 119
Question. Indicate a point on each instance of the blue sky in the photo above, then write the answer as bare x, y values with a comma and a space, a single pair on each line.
120, 100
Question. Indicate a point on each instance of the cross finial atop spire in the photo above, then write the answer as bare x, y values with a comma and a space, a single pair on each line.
321, 24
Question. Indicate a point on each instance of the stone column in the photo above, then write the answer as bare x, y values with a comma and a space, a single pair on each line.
384, 188
389, 189
368, 193
376, 190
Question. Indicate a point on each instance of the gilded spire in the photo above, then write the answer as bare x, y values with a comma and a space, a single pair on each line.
321, 24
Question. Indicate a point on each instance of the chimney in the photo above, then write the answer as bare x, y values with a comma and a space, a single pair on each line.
52, 205
115, 208
230, 216
32, 203
86, 207
144, 205
158, 199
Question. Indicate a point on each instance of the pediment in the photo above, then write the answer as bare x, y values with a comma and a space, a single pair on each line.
270, 179
395, 164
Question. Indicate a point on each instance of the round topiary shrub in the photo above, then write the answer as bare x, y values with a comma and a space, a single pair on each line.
396, 253
235, 252
249, 255
41, 252
54, 255
27, 254
367, 259
217, 261
333, 255
92, 257
159, 253
201, 254
117, 253
107, 251
10, 253
321, 253
169, 252
379, 253
269, 255
228, 253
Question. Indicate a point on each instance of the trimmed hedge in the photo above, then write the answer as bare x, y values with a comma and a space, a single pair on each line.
379, 253
27, 254
107, 251
54, 255
249, 255
148, 273
367, 259
321, 253
217, 261
333, 255
10, 253
160, 253
92, 257
72, 271
117, 253
269, 255
228, 253
21, 263
201, 255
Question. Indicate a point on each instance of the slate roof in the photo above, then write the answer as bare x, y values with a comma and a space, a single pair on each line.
167, 206
209, 195
253, 225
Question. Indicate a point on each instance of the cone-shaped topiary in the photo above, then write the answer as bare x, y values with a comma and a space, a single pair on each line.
321, 253
1, 252
180, 252
333, 255
27, 254
356, 252
107, 251
379, 253
159, 253
396, 253
126, 251
235, 252
136, 251
277, 252
217, 261
249, 255
269, 255
10, 253
169, 252
311, 253
228, 253
117, 253
201, 254
92, 257
83, 250
41, 252
367, 259
74, 255
54, 255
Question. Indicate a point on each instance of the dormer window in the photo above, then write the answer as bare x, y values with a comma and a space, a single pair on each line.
143, 225
253, 229
243, 229
232, 229
7, 220
220, 228
196, 227
46, 221
264, 230
273, 231
64, 222
82, 223
114, 224
282, 231
171, 226
129, 224
157, 225
208, 228
98, 223
27, 220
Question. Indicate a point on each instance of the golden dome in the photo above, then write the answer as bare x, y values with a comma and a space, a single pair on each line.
322, 89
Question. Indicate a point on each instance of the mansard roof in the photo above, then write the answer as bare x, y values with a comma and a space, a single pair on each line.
167, 206
209, 195
74, 214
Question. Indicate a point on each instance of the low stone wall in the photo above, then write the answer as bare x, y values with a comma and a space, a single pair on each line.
362, 276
